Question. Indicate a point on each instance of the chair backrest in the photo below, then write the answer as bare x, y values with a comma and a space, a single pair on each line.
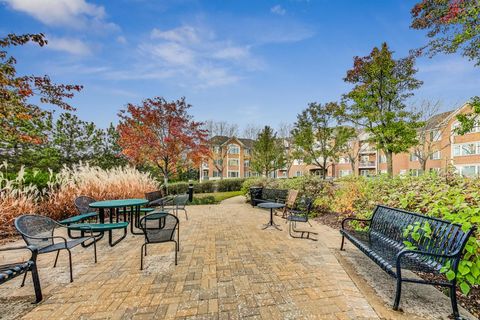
36, 230
154, 195
82, 204
292, 197
159, 226
181, 200
306, 204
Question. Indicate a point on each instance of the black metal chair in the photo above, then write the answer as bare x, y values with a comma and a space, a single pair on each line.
13, 270
159, 227
179, 203
39, 231
295, 216
85, 213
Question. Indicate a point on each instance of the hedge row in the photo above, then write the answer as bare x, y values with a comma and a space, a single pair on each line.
207, 186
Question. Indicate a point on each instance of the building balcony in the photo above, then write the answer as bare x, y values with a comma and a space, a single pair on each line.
367, 150
367, 164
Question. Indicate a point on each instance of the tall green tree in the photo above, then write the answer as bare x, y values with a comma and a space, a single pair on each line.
267, 153
452, 25
377, 101
107, 152
318, 137
75, 139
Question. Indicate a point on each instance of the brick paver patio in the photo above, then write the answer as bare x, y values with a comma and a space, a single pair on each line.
228, 268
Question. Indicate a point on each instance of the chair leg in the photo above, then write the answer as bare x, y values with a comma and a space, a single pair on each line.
24, 277
95, 249
453, 299
36, 284
70, 263
141, 256
56, 259
175, 253
145, 249
186, 215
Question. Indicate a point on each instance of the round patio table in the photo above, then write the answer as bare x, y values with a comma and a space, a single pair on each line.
271, 206
114, 205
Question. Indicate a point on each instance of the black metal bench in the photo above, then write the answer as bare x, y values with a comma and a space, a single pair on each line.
13, 270
383, 242
261, 195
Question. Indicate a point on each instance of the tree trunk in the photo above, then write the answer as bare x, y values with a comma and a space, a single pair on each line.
423, 164
389, 155
352, 164
324, 169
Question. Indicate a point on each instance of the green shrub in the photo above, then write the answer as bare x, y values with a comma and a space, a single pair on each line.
203, 200
229, 185
204, 187
178, 188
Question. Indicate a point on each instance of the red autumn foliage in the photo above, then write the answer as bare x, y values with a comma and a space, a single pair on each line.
163, 134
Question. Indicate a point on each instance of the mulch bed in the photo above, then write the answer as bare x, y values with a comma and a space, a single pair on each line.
471, 303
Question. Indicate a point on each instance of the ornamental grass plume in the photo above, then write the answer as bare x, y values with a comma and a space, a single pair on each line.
56, 200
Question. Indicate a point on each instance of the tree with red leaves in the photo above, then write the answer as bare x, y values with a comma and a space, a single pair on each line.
21, 120
451, 25
162, 134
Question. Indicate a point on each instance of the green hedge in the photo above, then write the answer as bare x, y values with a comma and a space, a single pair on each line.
229, 185
208, 186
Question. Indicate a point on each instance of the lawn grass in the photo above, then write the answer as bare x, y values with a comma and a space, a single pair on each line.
214, 197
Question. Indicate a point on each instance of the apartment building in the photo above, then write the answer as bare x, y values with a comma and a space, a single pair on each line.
230, 158
445, 148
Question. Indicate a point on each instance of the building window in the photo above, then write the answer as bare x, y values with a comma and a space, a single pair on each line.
435, 155
415, 172
233, 149
437, 170
246, 163
457, 125
383, 171
247, 152
468, 171
343, 173
403, 172
216, 174
435, 135
466, 149
233, 162
216, 149
218, 162
413, 157
233, 174
344, 160
365, 173
383, 158
298, 174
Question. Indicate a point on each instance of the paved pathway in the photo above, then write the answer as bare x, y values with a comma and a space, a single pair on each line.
228, 268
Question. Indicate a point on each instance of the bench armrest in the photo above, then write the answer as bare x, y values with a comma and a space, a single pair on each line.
353, 219
32, 249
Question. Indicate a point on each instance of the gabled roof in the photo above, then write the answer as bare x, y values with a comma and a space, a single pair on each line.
438, 119
221, 140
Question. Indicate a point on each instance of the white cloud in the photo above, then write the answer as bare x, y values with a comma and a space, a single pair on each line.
196, 56
122, 40
278, 9
71, 13
70, 45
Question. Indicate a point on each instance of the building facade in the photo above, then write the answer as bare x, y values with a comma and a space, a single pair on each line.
442, 147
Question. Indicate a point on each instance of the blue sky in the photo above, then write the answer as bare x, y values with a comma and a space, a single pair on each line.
245, 62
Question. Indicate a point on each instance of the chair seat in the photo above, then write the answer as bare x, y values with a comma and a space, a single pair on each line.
61, 245
384, 252
10, 271
297, 218
96, 227
79, 218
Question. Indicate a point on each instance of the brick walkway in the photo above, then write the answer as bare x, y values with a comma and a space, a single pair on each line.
228, 268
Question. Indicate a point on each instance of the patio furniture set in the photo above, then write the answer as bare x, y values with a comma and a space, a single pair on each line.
438, 244
159, 224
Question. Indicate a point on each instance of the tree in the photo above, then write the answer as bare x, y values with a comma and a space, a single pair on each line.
20, 117
75, 139
285, 135
218, 153
429, 135
451, 25
318, 135
377, 101
267, 153
162, 134
108, 153
251, 131
353, 149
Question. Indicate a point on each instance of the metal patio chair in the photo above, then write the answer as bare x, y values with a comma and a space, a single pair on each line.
39, 231
159, 227
179, 203
296, 216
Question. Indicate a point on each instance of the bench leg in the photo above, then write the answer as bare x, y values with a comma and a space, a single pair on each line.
110, 237
24, 277
36, 284
453, 299
343, 243
398, 293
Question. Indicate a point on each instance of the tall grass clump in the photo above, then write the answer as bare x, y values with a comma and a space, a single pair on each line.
56, 200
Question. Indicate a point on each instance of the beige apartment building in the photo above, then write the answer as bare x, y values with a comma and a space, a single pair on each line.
445, 148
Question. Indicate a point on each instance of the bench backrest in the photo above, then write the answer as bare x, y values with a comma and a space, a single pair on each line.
275, 194
445, 237
152, 196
